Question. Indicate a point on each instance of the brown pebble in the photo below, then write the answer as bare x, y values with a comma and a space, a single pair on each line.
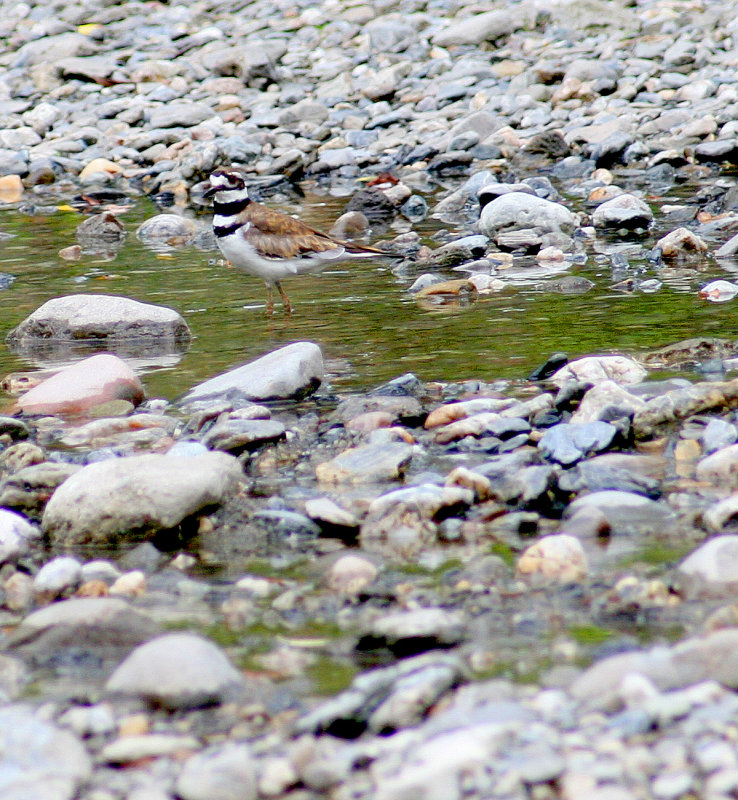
71, 253
94, 588
370, 421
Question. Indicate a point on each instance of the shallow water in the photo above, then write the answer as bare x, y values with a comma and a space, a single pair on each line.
369, 327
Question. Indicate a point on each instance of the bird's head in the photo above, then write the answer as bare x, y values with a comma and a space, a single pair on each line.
228, 184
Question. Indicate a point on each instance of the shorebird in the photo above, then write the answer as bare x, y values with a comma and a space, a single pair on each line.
269, 244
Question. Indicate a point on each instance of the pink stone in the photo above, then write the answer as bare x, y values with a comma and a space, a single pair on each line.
82, 386
370, 421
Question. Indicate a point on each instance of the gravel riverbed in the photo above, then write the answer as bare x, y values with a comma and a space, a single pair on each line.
264, 588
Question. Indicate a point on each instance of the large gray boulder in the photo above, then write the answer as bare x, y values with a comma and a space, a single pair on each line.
132, 498
102, 317
520, 210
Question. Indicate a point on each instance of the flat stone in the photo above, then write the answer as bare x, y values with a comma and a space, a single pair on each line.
237, 435
291, 371
624, 511
119, 499
82, 386
368, 463
131, 749
427, 499
405, 630
106, 625
177, 671
475, 29
678, 404
182, 113
30, 487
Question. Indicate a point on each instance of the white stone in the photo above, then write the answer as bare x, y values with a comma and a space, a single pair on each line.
225, 772
177, 670
716, 560
351, 574
517, 210
15, 531
57, 575
557, 557
596, 369
39, 760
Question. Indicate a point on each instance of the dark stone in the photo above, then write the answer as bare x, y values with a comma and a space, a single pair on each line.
551, 364
717, 151
373, 204
550, 144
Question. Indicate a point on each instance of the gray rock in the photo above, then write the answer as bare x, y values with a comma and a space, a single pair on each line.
625, 512
624, 472
119, 499
40, 760
107, 626
180, 114
521, 210
237, 435
478, 28
417, 630
291, 371
569, 442
98, 316
29, 488
13, 162
369, 463
680, 403
226, 772
624, 211
166, 229
90, 68
606, 394
718, 433
177, 671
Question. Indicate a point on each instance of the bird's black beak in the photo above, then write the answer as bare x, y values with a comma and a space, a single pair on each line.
210, 191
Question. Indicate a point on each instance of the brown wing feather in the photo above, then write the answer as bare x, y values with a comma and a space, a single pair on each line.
278, 235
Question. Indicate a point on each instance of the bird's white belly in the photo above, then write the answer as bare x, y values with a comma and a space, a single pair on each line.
245, 258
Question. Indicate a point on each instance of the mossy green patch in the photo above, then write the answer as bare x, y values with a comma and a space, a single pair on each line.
657, 553
590, 634
330, 676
